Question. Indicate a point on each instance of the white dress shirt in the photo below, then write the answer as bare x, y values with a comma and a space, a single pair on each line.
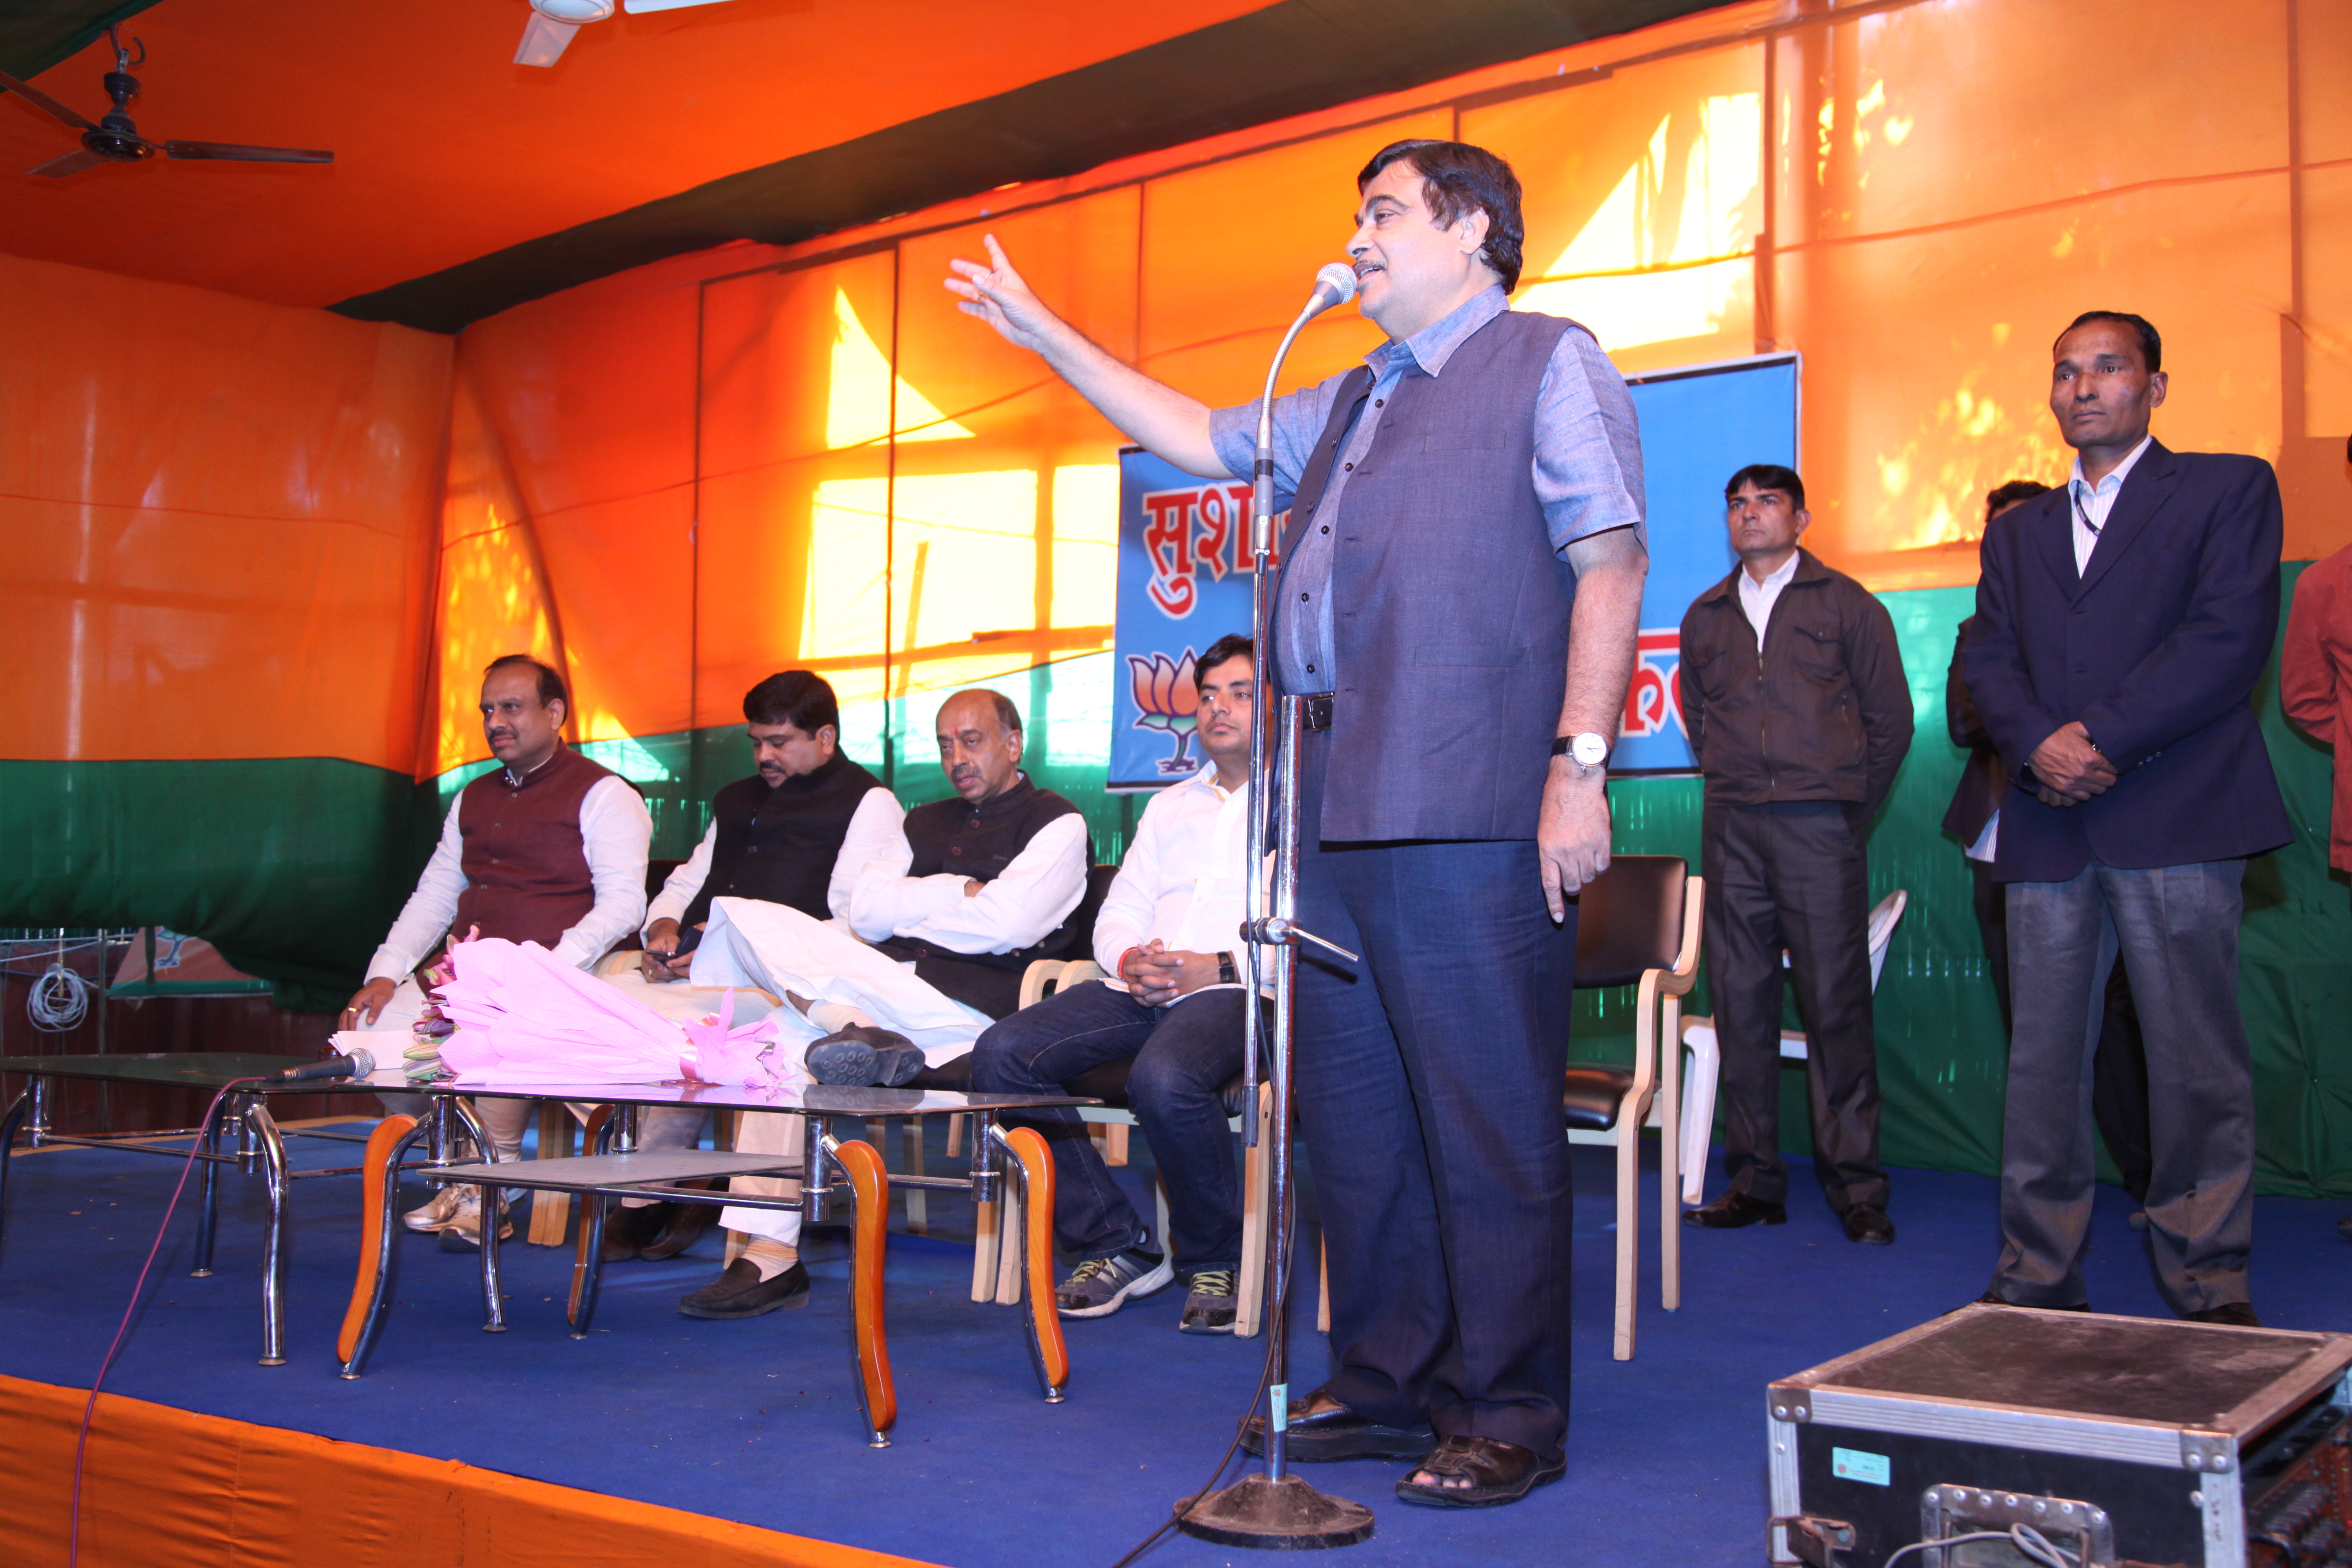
2088, 501
1185, 878
1025, 902
615, 831
872, 827
1757, 599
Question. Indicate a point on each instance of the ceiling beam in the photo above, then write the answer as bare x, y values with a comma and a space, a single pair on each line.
38, 34
1292, 58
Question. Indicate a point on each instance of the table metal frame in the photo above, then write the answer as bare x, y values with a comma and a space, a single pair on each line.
260, 1146
832, 1171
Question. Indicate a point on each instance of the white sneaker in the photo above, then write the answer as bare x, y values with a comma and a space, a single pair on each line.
464, 1231
437, 1214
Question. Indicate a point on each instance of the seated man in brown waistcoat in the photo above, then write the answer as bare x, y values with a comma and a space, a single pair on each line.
547, 847
796, 833
968, 893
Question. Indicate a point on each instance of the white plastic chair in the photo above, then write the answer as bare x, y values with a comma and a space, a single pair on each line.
1705, 1065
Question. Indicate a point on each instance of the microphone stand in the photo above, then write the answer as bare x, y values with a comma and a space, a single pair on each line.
1273, 1509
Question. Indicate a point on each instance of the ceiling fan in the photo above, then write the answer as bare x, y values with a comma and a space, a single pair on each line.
114, 140
553, 23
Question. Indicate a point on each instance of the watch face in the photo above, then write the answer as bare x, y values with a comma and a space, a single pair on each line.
1589, 751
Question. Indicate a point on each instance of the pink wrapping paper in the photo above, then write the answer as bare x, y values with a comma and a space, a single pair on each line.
525, 1017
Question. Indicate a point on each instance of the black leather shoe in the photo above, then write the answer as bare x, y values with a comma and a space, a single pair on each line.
687, 1223
629, 1232
1868, 1224
1992, 1299
1735, 1209
1321, 1429
2231, 1314
742, 1293
1486, 1472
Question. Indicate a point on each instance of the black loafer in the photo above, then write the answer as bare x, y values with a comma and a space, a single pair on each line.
1735, 1209
2229, 1315
742, 1293
864, 1057
1497, 1473
1868, 1224
1321, 1429
685, 1226
629, 1232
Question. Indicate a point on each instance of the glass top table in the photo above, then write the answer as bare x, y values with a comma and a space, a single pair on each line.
836, 1168
261, 1142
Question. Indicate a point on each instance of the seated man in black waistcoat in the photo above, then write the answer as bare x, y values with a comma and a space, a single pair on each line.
980, 885
971, 891
797, 832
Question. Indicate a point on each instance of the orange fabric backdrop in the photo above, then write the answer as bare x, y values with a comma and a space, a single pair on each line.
1914, 198
216, 524
165, 1488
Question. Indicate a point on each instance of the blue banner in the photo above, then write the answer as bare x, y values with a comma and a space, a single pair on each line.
1183, 582
1699, 426
1184, 577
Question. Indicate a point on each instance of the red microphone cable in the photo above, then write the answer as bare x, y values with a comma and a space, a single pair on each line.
81, 1439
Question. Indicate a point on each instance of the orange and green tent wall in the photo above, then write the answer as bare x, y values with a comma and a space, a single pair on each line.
253, 558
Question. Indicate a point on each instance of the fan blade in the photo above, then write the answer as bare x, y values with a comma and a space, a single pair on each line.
73, 162
240, 155
640, 8
40, 100
542, 41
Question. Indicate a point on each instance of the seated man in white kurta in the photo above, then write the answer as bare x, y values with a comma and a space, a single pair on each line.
796, 834
971, 890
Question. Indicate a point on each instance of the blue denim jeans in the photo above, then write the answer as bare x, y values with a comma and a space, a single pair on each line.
1183, 1055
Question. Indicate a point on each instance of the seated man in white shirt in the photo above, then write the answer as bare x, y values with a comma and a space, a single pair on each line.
796, 833
968, 892
1169, 932
547, 847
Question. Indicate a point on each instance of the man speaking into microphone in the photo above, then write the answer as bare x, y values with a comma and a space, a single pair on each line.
1461, 578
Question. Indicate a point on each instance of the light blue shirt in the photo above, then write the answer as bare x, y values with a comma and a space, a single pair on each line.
1587, 468
2089, 504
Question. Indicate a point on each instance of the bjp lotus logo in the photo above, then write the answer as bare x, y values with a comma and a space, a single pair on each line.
1166, 696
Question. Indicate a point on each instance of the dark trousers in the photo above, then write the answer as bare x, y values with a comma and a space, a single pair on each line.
1791, 876
1429, 1078
1183, 1055
2176, 928
2118, 1070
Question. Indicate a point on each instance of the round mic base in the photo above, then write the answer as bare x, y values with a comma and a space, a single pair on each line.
1287, 1515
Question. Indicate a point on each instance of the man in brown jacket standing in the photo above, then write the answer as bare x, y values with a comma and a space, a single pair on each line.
1794, 696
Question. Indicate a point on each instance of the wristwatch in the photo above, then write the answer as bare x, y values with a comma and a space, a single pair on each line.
1589, 749
1225, 971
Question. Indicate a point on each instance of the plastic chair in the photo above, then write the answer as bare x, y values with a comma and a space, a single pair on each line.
1705, 1065
1638, 924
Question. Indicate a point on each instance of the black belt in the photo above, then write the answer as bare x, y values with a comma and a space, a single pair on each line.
1318, 714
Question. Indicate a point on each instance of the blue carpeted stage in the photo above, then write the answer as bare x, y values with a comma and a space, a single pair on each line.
755, 1422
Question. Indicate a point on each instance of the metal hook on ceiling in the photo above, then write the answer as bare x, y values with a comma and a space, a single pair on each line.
122, 60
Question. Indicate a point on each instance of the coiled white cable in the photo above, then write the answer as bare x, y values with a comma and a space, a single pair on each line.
59, 1000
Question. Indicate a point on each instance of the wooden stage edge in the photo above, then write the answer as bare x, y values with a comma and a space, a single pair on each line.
165, 1488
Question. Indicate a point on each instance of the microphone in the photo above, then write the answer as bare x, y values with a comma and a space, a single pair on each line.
1335, 285
357, 1064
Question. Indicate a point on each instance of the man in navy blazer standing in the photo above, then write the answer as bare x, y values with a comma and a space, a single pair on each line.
2121, 623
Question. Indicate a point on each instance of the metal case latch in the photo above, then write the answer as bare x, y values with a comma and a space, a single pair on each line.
1819, 1540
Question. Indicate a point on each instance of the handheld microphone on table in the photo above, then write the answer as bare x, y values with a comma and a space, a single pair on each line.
357, 1064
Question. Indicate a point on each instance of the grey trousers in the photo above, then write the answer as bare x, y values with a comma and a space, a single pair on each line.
2176, 931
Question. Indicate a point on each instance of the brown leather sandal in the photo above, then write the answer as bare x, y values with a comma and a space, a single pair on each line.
1499, 1473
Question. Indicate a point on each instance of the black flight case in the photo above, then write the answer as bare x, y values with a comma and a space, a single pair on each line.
2122, 1441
